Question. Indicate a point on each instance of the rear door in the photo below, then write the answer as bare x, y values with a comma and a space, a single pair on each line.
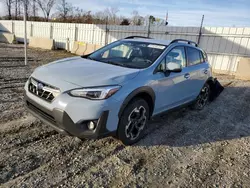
198, 70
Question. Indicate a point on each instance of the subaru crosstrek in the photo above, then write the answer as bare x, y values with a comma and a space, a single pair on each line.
118, 88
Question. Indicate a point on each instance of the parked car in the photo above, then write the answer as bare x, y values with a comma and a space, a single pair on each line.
118, 88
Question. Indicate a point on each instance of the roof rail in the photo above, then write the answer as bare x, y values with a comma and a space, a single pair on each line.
142, 37
183, 40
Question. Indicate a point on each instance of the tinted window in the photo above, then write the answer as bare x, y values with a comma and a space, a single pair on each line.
194, 56
177, 55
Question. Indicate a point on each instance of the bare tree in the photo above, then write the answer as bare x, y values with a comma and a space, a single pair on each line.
8, 4
34, 9
99, 18
136, 18
111, 14
46, 6
16, 9
19, 8
64, 8
26, 5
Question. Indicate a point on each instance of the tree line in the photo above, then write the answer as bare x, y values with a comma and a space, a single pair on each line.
66, 12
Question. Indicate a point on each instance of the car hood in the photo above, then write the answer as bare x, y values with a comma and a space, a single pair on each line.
82, 72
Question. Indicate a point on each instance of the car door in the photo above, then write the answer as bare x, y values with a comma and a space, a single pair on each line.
198, 70
171, 87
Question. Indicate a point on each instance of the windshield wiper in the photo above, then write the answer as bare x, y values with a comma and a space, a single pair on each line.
119, 64
114, 63
92, 58
111, 62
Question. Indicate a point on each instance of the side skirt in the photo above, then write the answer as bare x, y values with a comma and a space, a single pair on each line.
173, 109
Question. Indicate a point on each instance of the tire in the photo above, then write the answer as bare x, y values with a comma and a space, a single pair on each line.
133, 121
203, 98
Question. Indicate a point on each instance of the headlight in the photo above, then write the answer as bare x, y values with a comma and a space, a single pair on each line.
96, 93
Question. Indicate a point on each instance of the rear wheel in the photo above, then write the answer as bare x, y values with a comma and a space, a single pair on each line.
203, 98
133, 121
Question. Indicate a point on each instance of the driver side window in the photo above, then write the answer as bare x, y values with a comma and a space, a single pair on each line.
176, 55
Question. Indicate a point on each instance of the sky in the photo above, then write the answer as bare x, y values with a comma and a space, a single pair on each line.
180, 12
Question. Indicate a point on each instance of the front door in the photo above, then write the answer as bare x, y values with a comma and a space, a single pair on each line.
172, 88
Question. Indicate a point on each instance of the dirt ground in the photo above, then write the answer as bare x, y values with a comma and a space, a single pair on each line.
208, 148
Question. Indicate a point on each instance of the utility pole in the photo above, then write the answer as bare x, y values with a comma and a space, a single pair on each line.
200, 33
106, 31
25, 31
149, 23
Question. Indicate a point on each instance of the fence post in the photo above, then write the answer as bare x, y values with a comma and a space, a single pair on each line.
67, 45
200, 33
76, 33
51, 31
31, 29
149, 22
93, 33
106, 32
12, 27
25, 31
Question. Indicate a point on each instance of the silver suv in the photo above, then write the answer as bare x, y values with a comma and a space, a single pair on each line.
118, 88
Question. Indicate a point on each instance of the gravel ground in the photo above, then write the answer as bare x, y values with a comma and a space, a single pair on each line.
208, 148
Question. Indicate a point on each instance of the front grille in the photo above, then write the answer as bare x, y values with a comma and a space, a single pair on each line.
41, 113
42, 90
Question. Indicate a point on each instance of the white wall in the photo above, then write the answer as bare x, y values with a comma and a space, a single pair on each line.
225, 46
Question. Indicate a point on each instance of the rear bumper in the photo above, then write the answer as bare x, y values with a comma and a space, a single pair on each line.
216, 88
62, 123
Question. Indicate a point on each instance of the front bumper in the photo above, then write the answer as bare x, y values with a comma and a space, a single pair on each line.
62, 123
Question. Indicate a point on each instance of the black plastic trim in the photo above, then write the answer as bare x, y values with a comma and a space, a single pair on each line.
141, 90
174, 109
210, 79
142, 37
62, 123
183, 40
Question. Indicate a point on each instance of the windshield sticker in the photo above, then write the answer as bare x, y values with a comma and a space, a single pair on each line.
156, 46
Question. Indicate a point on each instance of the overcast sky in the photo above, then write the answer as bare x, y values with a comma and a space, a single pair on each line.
181, 12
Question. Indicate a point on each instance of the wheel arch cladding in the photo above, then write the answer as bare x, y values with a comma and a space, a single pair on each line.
210, 81
146, 93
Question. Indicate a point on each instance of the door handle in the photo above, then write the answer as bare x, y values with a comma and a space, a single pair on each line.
187, 76
205, 71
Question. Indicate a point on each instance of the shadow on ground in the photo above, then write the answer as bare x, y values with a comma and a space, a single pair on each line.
225, 118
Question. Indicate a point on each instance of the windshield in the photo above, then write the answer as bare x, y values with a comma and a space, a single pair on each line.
129, 54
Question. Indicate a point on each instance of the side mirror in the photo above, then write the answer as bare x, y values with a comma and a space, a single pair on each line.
173, 67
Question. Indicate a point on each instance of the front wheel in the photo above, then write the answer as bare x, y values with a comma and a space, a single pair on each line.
203, 98
133, 122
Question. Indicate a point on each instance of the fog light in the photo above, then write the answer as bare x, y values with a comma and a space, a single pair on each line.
91, 125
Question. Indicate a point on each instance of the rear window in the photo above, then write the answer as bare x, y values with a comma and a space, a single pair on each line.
194, 56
